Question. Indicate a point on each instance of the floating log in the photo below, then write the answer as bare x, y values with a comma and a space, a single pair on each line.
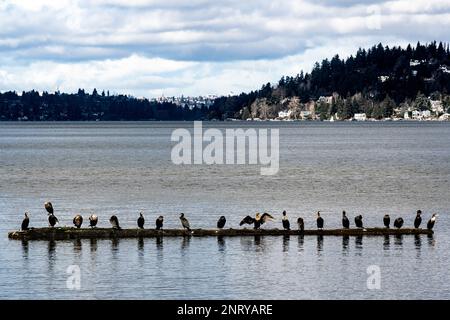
66, 233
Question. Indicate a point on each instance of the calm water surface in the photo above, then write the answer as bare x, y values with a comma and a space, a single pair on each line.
122, 168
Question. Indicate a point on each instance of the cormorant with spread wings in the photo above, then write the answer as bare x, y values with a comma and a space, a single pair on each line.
258, 220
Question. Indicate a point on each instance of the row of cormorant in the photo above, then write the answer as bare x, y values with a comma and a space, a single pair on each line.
257, 221
398, 223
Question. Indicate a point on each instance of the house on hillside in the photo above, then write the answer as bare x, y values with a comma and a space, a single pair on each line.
360, 117
284, 114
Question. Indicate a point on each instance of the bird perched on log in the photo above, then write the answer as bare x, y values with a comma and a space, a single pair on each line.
285, 221
93, 219
300, 224
358, 221
141, 221
52, 220
319, 221
78, 221
258, 220
221, 222
345, 221
49, 207
114, 222
185, 222
418, 219
159, 223
386, 220
431, 222
398, 223
25, 222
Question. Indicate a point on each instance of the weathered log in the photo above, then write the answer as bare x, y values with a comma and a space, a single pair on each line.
65, 233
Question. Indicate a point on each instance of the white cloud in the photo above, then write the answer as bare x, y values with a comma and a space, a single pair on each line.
134, 74
194, 47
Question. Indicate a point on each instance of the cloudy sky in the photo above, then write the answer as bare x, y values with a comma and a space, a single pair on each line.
195, 47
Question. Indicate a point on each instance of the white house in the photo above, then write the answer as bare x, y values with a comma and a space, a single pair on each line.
420, 115
284, 114
436, 106
406, 115
305, 114
360, 117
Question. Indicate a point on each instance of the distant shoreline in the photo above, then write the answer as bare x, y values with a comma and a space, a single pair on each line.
231, 120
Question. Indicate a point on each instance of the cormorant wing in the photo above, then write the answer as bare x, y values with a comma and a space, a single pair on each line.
247, 220
266, 217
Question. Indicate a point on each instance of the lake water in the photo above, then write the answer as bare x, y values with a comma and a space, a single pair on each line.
122, 168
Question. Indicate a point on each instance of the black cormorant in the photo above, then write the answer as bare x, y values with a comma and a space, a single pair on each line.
221, 222
48, 206
319, 221
285, 221
141, 221
114, 222
300, 224
358, 221
52, 220
398, 223
431, 222
25, 222
93, 219
185, 222
386, 220
418, 219
159, 223
345, 221
258, 220
78, 221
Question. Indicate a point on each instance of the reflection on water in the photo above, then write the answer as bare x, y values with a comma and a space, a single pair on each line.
159, 243
77, 246
301, 242
185, 242
140, 246
114, 247
140, 243
159, 249
359, 241
359, 244
345, 243
246, 243
417, 241
431, 240
25, 248
319, 243
93, 245
51, 247
386, 242
257, 242
286, 239
221, 243
398, 240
